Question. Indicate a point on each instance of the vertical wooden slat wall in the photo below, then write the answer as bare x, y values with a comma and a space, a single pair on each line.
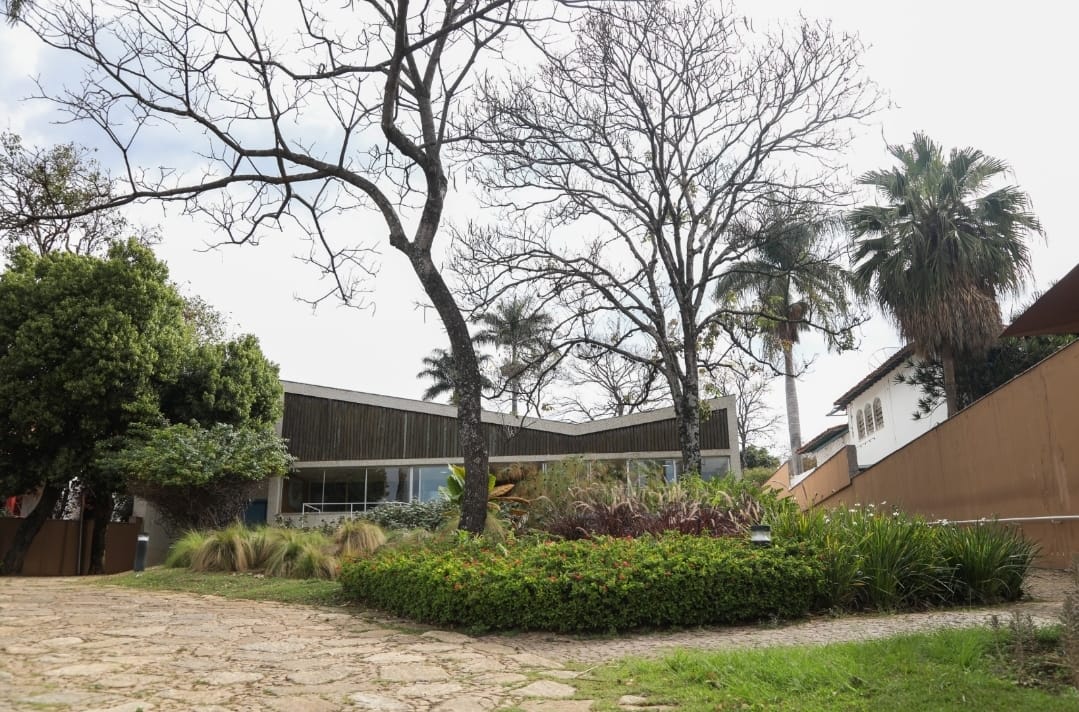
321, 429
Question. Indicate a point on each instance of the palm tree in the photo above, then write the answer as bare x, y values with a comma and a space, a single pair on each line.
796, 285
440, 368
514, 325
941, 249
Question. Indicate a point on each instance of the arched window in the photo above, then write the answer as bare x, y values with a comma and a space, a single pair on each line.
861, 424
878, 414
869, 419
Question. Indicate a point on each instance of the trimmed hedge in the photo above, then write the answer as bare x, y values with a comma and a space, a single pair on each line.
596, 585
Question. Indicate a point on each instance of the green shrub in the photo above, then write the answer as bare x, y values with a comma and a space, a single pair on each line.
409, 515
758, 475
183, 550
886, 560
988, 561
593, 585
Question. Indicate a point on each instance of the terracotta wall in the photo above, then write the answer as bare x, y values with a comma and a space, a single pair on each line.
1014, 453
54, 551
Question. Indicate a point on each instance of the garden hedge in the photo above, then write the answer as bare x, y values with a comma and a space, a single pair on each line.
596, 585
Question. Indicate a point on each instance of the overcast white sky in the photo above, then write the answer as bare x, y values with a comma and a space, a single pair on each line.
995, 75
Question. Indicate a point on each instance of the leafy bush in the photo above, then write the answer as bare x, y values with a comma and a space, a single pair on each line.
691, 506
988, 562
409, 515
873, 558
602, 584
552, 491
758, 475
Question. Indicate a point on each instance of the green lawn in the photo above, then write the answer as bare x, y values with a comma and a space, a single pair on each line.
247, 586
948, 670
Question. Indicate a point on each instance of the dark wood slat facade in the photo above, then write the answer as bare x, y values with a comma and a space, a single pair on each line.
322, 429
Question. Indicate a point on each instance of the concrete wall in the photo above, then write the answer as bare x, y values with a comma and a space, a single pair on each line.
1012, 454
899, 401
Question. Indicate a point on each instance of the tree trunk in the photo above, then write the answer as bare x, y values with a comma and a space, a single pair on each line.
28, 529
469, 393
514, 382
951, 394
101, 518
688, 411
794, 420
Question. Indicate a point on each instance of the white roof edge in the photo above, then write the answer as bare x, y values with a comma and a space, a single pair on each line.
488, 416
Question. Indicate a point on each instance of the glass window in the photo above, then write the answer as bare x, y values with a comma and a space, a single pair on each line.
878, 414
861, 424
869, 419
427, 480
644, 472
670, 470
714, 467
387, 484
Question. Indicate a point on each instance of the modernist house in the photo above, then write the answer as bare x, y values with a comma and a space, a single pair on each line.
358, 450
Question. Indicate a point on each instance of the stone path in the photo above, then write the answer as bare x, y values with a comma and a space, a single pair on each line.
66, 644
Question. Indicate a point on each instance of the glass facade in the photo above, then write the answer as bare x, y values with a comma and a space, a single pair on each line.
357, 489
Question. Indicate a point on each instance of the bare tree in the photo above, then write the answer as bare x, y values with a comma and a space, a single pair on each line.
638, 149
312, 114
751, 385
603, 384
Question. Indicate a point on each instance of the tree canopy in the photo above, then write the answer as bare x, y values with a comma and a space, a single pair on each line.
623, 164
84, 344
198, 477
941, 247
796, 283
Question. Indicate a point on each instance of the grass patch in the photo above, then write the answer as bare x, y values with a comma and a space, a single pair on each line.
947, 670
228, 585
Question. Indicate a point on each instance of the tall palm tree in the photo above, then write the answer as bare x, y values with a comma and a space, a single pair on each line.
796, 285
941, 248
440, 368
522, 330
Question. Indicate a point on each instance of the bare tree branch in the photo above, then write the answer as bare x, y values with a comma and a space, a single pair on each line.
621, 168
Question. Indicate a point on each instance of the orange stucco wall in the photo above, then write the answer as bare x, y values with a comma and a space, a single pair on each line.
1014, 453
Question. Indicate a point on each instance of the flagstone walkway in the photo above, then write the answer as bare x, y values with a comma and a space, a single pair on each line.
67, 644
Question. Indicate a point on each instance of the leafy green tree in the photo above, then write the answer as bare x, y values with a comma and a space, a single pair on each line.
756, 456
941, 248
520, 329
796, 285
198, 477
84, 344
977, 376
439, 368
224, 382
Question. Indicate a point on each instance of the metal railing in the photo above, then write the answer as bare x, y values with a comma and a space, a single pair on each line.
339, 507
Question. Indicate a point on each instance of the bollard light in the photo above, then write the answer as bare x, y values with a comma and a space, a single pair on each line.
760, 535
141, 545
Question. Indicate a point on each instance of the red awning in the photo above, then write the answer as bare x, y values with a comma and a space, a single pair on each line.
1055, 312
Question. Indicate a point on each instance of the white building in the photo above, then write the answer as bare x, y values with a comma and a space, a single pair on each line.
880, 410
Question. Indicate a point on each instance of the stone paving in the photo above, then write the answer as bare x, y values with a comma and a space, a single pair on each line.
67, 644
